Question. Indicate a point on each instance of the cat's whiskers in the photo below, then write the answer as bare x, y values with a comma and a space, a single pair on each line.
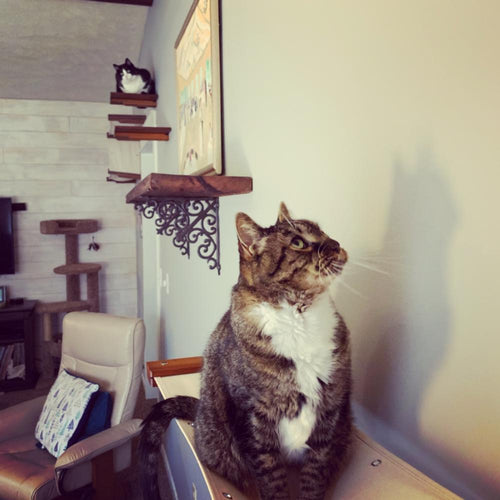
374, 257
370, 267
379, 259
341, 281
336, 271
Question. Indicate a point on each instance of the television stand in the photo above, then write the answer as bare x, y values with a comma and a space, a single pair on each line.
16, 328
16, 302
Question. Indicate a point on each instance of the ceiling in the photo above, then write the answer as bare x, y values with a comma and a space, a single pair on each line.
65, 49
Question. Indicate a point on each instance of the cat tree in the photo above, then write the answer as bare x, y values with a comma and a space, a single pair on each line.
73, 269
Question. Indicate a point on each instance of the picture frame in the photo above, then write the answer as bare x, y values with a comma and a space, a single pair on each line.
198, 91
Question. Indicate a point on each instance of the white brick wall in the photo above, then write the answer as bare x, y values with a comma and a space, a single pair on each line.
54, 156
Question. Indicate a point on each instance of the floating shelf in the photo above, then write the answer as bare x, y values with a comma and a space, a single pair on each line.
124, 133
122, 177
134, 119
134, 130
187, 208
137, 100
188, 186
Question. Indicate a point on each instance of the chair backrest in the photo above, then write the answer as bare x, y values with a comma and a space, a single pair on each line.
108, 350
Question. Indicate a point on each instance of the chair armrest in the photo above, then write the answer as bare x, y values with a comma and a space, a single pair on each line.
21, 418
176, 366
97, 444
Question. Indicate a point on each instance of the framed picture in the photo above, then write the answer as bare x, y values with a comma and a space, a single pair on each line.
198, 76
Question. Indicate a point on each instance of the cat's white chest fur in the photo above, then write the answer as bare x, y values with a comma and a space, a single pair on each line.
307, 339
132, 84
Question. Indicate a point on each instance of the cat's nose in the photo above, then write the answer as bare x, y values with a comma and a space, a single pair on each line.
333, 245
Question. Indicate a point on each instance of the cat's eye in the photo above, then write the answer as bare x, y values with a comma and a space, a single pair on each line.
298, 243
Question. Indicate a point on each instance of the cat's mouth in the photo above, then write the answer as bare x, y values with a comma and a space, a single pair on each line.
332, 264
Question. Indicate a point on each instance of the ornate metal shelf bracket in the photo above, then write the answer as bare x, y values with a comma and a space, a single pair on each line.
190, 221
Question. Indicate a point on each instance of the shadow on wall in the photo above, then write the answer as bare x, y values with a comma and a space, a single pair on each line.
404, 332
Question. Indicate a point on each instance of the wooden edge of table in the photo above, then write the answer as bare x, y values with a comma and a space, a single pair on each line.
168, 367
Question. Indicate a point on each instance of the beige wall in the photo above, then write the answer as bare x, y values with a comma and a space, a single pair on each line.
54, 157
380, 121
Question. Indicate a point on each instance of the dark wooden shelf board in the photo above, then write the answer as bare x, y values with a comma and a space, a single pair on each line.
125, 175
131, 119
124, 133
137, 100
188, 186
122, 177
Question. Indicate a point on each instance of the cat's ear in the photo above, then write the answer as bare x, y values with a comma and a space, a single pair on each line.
249, 233
283, 214
128, 61
116, 66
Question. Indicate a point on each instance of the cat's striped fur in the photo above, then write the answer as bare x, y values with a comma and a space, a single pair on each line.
276, 377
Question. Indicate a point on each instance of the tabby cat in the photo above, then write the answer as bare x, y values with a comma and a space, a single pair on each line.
132, 80
276, 378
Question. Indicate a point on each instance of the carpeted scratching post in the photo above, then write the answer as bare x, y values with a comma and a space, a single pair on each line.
73, 269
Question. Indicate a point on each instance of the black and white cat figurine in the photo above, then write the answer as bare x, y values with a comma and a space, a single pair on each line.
132, 80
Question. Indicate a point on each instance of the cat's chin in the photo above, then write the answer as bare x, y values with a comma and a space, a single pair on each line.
315, 285
327, 281
329, 274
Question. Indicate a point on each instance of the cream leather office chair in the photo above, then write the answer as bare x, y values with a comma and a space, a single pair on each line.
105, 349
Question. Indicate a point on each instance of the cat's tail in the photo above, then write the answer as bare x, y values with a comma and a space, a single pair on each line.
150, 439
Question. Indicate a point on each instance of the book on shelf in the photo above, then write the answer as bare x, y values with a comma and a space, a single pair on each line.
16, 371
12, 361
6, 357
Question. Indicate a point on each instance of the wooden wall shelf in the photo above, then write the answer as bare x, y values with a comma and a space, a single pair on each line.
137, 100
131, 133
188, 186
122, 177
130, 119
186, 207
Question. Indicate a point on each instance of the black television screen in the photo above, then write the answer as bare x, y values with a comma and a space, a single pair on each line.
6, 237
